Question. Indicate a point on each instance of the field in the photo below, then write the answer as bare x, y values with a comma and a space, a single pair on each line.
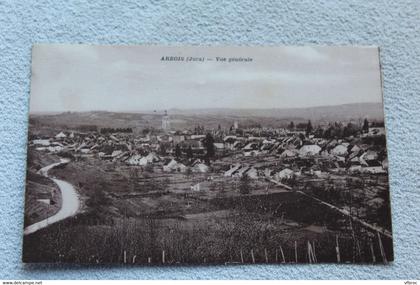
132, 215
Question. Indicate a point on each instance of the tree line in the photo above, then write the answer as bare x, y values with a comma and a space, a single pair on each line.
336, 129
116, 130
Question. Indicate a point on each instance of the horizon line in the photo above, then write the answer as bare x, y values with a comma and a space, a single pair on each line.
192, 109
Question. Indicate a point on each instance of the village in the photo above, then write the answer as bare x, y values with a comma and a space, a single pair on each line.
200, 173
259, 153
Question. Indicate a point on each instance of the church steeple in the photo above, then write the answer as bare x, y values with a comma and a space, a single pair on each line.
166, 124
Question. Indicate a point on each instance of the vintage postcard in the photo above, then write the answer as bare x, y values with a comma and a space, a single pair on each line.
206, 155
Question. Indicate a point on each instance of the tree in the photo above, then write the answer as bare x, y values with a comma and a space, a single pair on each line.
349, 130
209, 145
245, 185
98, 199
177, 151
328, 134
189, 152
365, 127
188, 171
319, 132
309, 128
162, 148
291, 126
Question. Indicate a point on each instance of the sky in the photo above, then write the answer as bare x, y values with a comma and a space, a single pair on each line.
135, 78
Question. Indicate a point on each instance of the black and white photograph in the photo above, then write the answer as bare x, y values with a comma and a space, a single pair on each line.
166, 155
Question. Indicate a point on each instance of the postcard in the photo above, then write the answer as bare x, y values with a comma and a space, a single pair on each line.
169, 155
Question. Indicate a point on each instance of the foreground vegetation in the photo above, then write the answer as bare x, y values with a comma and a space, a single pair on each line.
246, 233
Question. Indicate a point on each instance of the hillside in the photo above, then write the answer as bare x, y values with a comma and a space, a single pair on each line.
212, 117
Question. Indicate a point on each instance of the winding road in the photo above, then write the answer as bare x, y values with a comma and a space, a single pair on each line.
69, 201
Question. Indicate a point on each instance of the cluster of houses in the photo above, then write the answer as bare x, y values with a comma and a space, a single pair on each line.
292, 153
126, 148
298, 154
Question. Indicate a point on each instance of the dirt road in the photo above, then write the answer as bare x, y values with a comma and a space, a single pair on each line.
69, 197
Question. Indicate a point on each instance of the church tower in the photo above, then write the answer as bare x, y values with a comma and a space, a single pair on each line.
166, 124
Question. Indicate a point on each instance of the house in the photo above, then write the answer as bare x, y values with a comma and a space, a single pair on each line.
114, 138
355, 168
340, 150
355, 149
232, 170
95, 146
177, 138
52, 149
229, 140
284, 174
219, 146
197, 137
41, 142
251, 153
268, 145
385, 163
115, 153
152, 157
252, 173
326, 154
144, 140
238, 145
370, 155
377, 131
240, 172
82, 145
120, 155
268, 172
354, 162
195, 187
194, 144
173, 165
137, 160
164, 138
317, 173
170, 165
251, 146
289, 153
309, 150
61, 135
332, 143
201, 168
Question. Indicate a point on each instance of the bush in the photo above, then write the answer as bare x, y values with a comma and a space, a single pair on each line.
98, 198
149, 168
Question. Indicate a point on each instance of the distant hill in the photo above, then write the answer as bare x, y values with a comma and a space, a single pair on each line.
337, 112
212, 117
